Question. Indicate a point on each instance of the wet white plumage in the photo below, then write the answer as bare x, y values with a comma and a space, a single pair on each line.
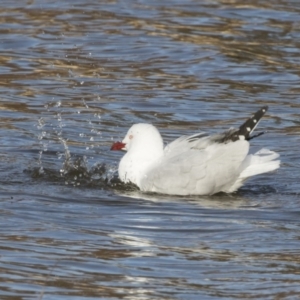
190, 165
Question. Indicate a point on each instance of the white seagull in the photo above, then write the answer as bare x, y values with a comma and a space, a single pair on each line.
198, 164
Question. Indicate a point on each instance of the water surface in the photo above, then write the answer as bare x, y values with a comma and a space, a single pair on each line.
74, 76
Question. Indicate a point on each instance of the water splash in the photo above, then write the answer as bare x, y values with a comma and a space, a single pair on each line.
43, 144
64, 163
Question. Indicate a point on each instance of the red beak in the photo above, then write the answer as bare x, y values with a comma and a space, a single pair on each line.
117, 146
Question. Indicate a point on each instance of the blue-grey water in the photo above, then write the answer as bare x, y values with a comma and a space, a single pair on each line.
74, 76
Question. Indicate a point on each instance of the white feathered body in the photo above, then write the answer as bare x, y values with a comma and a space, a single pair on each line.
190, 165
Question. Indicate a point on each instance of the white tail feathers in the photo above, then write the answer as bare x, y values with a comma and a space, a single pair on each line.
263, 161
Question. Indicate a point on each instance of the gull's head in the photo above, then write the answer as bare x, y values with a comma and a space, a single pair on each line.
140, 136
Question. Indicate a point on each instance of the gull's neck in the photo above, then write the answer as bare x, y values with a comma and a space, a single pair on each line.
139, 159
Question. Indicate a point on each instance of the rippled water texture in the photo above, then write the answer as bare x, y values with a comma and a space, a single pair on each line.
74, 76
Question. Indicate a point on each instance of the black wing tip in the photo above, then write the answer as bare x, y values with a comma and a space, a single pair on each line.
264, 109
248, 127
259, 114
255, 136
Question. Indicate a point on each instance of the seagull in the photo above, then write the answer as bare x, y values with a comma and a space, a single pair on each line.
198, 164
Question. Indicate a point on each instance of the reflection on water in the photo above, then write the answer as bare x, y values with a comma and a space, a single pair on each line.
74, 77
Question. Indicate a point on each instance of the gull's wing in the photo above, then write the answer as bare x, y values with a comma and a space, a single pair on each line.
201, 140
196, 171
184, 143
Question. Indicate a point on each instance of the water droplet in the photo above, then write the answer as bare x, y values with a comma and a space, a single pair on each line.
58, 104
41, 123
85, 103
